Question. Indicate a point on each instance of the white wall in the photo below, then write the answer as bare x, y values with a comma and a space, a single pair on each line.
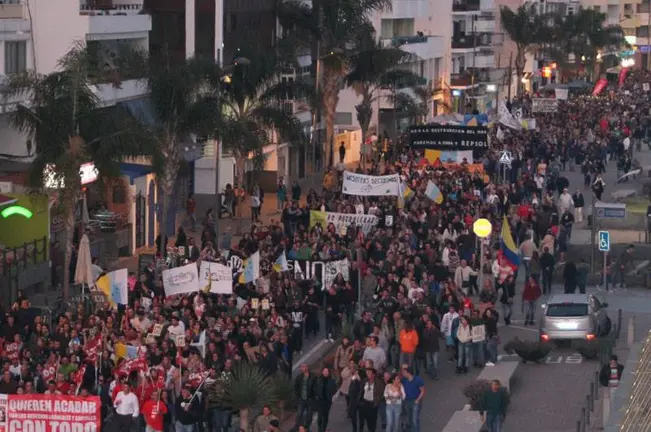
204, 174
12, 141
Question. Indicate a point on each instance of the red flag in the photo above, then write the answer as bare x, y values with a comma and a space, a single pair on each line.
598, 88
622, 76
196, 378
130, 365
78, 375
93, 348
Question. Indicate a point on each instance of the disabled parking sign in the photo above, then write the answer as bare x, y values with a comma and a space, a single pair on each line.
604, 241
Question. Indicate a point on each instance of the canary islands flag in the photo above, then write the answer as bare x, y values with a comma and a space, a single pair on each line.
434, 193
281, 264
115, 285
251, 268
508, 250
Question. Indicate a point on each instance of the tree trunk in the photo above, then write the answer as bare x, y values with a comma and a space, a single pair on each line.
70, 196
330, 101
520, 62
364, 115
244, 419
170, 173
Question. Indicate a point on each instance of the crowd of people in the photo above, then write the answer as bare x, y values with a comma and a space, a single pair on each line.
415, 278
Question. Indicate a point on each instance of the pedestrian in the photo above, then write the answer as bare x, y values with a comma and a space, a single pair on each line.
530, 296
154, 411
281, 194
547, 264
611, 374
371, 397
569, 277
431, 336
186, 411
414, 387
127, 408
579, 203
304, 394
493, 407
394, 394
190, 208
408, 344
325, 389
464, 336
262, 423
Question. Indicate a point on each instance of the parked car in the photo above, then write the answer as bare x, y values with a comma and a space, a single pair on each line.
574, 317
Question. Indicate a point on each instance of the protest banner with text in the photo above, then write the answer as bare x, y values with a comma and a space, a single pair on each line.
50, 413
366, 185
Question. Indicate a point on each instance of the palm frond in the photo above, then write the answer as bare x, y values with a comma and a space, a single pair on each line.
247, 388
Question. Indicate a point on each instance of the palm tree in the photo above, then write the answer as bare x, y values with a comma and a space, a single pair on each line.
185, 100
376, 72
577, 39
333, 27
65, 121
252, 105
527, 29
247, 390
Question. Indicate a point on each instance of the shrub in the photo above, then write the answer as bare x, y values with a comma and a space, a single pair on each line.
475, 391
591, 349
528, 350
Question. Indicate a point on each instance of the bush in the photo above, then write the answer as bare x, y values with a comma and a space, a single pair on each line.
533, 351
592, 349
475, 391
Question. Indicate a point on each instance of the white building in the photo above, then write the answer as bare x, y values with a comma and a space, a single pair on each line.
35, 34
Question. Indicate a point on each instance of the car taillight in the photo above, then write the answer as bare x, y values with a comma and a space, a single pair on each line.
590, 336
544, 337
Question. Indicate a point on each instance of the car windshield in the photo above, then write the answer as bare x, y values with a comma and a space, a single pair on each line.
567, 310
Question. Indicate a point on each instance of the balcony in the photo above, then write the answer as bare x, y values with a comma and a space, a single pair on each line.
12, 10
483, 26
425, 47
466, 79
465, 42
465, 5
484, 61
110, 7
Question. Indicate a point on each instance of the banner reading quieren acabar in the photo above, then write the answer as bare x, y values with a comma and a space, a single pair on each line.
49, 413
448, 137
342, 221
366, 185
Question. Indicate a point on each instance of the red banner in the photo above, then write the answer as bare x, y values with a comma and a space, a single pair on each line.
598, 88
46, 413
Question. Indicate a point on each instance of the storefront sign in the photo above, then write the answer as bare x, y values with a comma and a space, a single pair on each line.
50, 413
448, 137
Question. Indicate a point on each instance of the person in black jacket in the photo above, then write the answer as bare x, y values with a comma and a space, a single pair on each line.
569, 276
579, 203
186, 411
611, 373
325, 389
304, 393
547, 263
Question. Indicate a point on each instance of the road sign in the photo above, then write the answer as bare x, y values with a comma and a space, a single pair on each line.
604, 241
506, 158
610, 210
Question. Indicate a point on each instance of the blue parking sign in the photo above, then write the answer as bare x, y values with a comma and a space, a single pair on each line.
604, 241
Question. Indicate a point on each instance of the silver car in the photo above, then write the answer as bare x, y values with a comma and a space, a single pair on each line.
573, 317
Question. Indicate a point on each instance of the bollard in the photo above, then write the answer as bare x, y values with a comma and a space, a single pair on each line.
578, 426
606, 406
592, 394
619, 322
597, 384
588, 409
584, 417
590, 399
630, 340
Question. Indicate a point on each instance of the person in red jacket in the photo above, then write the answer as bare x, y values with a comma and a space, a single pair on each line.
530, 296
154, 411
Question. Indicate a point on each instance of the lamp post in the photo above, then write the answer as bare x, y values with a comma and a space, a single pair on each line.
482, 229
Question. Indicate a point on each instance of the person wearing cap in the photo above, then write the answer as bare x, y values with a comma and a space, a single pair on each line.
127, 409
263, 421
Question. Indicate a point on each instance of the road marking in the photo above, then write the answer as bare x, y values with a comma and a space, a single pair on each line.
307, 355
519, 327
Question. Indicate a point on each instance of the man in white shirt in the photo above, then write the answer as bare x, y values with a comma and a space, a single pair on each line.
176, 328
126, 407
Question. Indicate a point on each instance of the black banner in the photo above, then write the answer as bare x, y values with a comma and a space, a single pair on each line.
448, 137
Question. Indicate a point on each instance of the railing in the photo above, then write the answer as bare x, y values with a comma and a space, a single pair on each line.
109, 7
468, 41
465, 6
13, 259
407, 40
11, 9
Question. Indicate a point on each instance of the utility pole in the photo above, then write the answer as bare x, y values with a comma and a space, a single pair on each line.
497, 86
474, 55
648, 35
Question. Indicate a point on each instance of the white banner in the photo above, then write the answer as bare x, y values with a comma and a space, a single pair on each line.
561, 94
181, 280
506, 118
322, 271
218, 276
365, 185
342, 221
544, 105
479, 333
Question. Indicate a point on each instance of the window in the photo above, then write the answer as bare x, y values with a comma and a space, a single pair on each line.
119, 193
567, 310
15, 57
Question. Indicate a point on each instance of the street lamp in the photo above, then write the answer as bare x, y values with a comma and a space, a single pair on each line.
482, 229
